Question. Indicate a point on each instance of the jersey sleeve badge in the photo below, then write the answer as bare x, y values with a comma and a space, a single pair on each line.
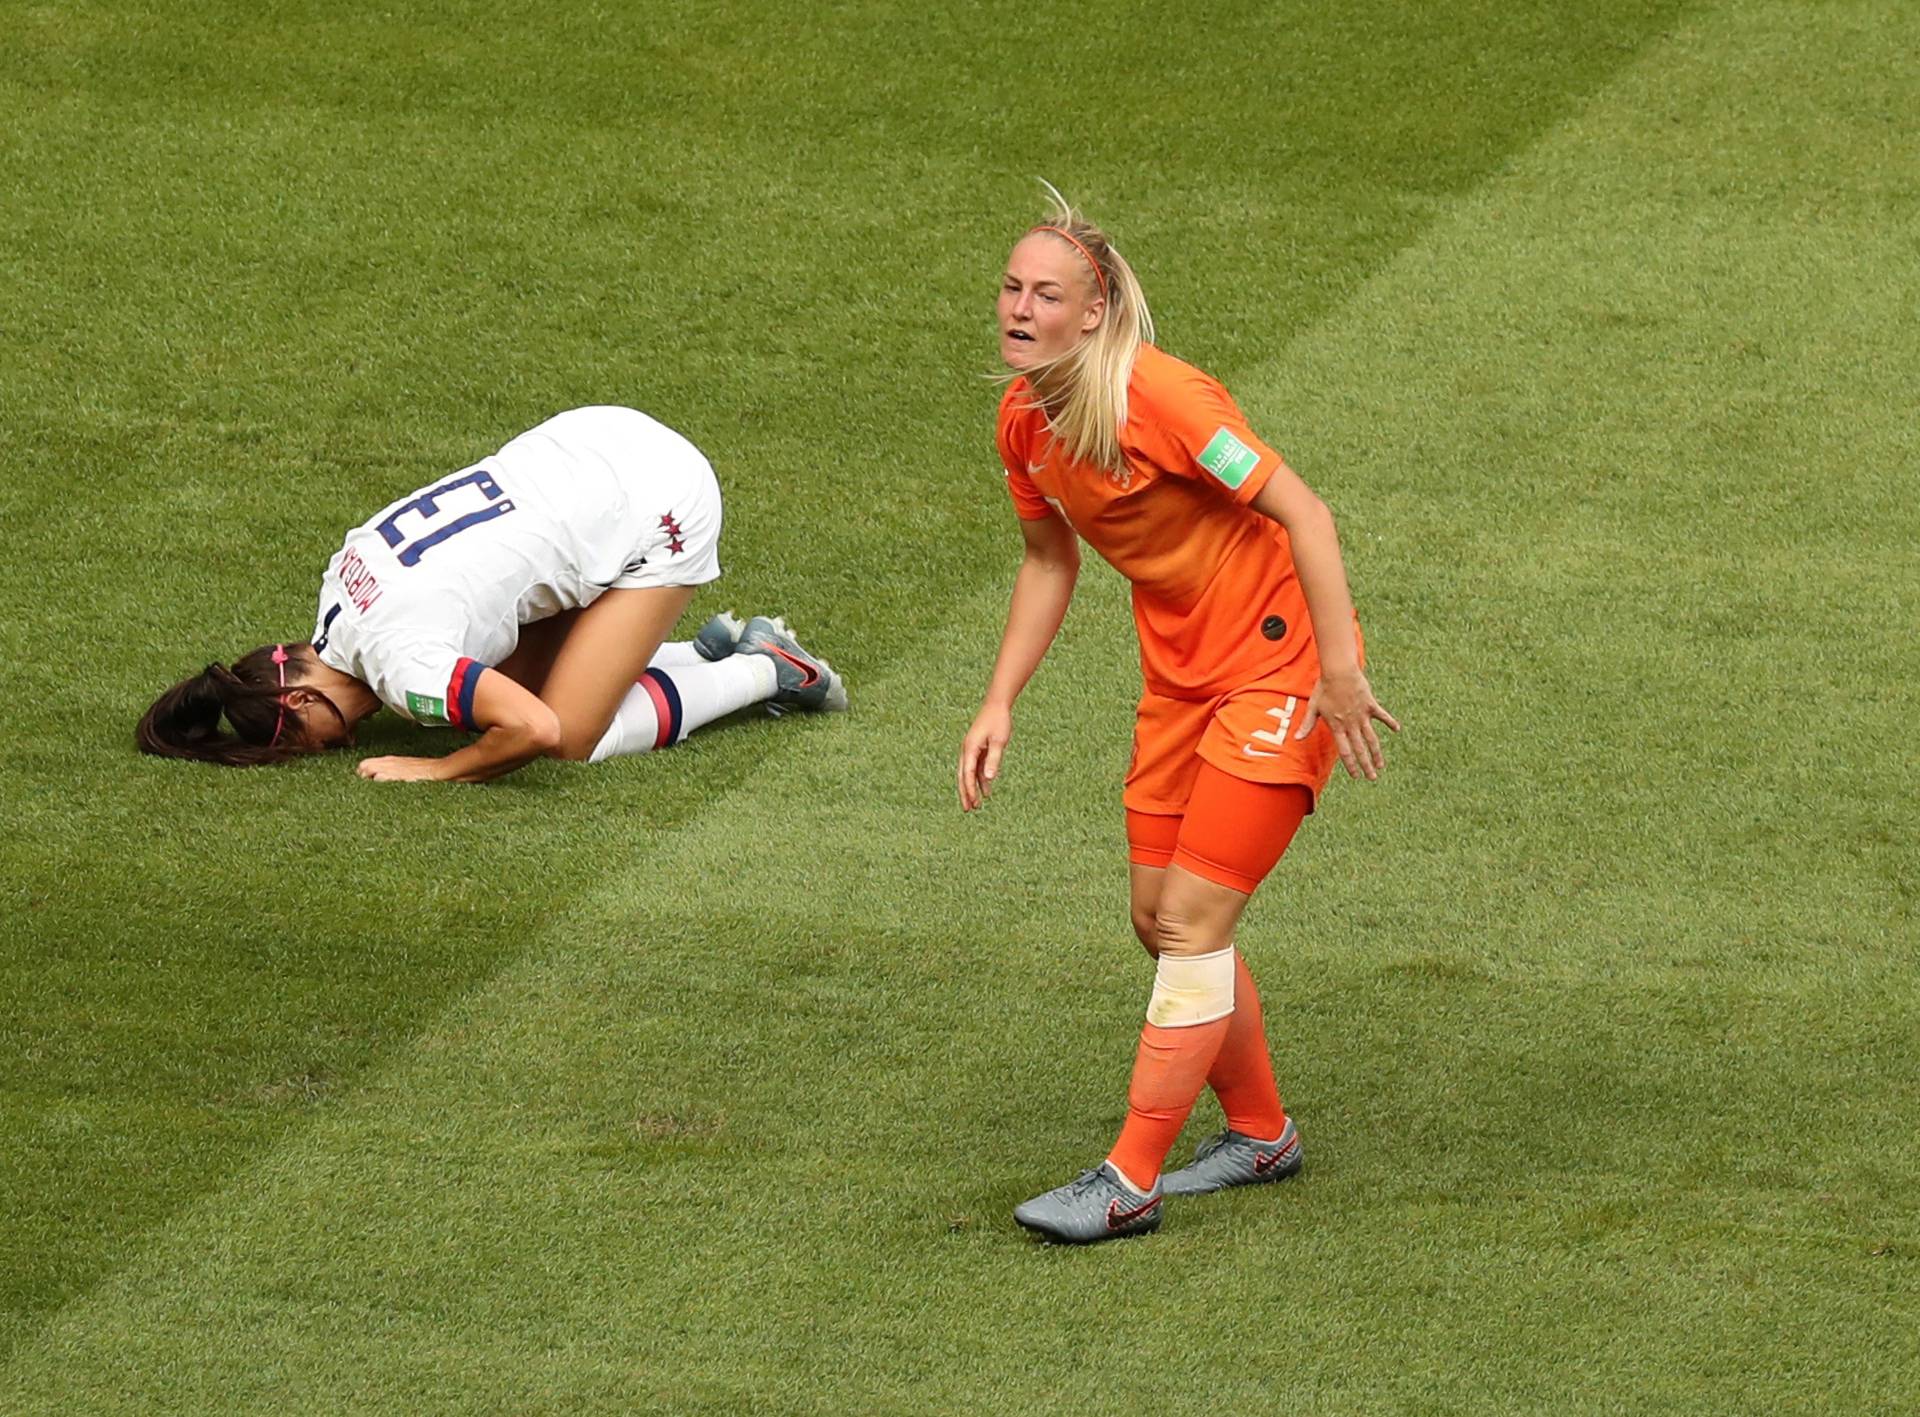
1228, 459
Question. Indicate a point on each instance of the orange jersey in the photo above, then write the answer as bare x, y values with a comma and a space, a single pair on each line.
1216, 601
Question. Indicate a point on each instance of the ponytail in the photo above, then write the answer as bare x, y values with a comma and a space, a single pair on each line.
184, 722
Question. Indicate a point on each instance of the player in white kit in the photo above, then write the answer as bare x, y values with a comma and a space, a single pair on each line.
525, 599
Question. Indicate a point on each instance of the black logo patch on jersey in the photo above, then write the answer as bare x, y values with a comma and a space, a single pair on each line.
1273, 627
326, 629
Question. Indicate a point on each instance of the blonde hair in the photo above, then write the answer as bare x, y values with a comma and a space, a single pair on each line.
1085, 396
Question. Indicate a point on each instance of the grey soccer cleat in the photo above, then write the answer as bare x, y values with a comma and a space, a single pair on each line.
1096, 1205
1236, 1159
718, 637
805, 680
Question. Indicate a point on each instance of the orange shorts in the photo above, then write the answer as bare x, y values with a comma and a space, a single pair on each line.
1233, 831
1247, 733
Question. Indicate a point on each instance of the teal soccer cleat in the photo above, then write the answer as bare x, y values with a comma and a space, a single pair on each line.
719, 636
805, 680
1095, 1205
1234, 1159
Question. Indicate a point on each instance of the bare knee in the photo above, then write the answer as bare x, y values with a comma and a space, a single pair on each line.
1180, 932
575, 745
1146, 924
1143, 903
1196, 916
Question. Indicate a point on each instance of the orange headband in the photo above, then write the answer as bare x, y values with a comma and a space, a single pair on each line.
1061, 231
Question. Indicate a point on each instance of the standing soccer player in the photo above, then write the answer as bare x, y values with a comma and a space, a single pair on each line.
1251, 656
524, 599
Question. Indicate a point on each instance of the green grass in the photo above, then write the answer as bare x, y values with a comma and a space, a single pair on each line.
705, 1082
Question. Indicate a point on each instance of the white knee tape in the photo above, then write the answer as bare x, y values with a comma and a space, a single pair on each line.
1191, 990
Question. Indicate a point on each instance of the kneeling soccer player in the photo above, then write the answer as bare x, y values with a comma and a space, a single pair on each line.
526, 599
1251, 654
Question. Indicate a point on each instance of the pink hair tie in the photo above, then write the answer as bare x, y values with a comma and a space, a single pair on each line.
1098, 275
280, 661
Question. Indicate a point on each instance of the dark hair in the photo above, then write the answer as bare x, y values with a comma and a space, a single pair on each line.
184, 722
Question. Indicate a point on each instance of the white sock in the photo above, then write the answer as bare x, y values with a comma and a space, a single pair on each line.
665, 706
714, 690
676, 654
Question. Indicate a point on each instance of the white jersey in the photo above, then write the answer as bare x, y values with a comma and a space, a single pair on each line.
435, 587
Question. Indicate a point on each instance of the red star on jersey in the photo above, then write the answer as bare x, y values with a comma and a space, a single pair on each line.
674, 532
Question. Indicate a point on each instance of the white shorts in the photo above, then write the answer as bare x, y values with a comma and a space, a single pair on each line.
662, 502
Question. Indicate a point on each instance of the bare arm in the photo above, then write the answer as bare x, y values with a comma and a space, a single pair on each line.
1042, 590
517, 726
1343, 697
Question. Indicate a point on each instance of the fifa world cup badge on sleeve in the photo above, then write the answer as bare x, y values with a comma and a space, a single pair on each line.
1228, 459
425, 708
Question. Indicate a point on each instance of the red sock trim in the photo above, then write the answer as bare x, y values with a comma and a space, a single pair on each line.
665, 710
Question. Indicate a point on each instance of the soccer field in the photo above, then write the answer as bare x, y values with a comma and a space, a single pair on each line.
704, 1082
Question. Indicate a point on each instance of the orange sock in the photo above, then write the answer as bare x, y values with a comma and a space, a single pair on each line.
1242, 1076
1168, 1073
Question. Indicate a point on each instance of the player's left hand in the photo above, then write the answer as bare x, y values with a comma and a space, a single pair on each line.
399, 769
1346, 702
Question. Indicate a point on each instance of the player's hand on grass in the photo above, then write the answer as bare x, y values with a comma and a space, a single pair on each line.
1347, 704
980, 753
399, 769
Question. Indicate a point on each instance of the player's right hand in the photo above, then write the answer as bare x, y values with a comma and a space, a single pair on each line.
980, 753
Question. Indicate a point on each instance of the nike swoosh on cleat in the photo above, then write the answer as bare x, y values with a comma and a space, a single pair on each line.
1116, 1217
813, 675
1265, 1163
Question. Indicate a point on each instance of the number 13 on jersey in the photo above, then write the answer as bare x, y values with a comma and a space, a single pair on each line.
437, 522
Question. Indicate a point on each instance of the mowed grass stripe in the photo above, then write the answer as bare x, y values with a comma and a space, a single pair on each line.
1652, 518
1560, 1160
263, 271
